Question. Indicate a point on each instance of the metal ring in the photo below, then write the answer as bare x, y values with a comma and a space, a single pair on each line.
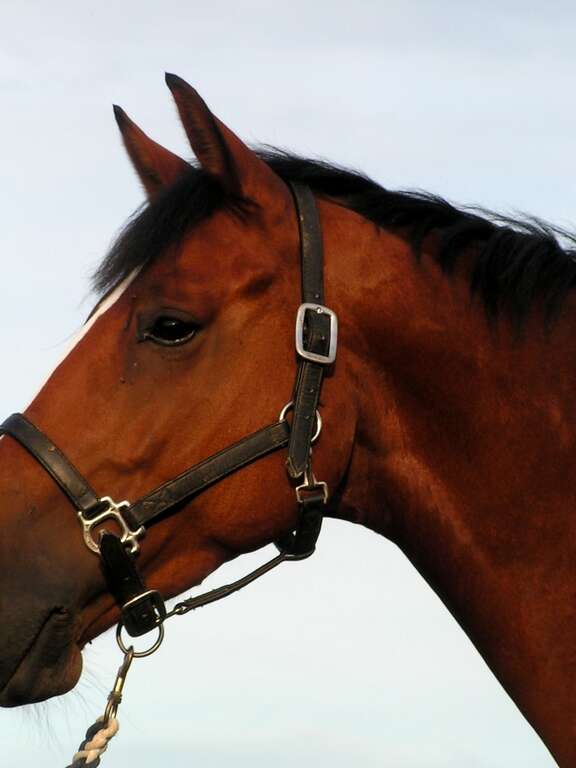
139, 654
289, 406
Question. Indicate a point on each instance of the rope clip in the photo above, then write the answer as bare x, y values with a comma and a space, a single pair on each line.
115, 695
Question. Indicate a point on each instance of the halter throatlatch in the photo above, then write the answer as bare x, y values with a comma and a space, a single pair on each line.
142, 608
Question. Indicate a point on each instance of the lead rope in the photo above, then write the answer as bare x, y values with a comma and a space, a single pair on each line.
311, 496
100, 733
106, 727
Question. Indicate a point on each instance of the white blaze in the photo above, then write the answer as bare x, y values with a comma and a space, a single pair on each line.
106, 304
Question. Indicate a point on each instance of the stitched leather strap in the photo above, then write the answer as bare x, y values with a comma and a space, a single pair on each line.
142, 608
258, 444
308, 384
306, 397
311, 247
150, 507
301, 542
78, 490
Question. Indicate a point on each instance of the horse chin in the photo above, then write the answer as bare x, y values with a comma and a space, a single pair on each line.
51, 665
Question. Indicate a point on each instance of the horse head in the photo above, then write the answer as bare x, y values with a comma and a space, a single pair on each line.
189, 349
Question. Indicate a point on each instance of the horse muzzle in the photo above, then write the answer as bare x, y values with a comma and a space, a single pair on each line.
38, 662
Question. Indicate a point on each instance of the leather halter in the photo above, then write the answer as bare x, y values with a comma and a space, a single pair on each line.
316, 339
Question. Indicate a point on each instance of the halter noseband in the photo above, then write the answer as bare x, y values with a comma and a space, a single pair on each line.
316, 339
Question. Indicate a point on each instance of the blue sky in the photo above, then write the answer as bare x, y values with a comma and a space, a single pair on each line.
473, 101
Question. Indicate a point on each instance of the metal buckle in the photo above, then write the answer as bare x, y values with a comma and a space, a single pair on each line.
115, 695
311, 486
300, 349
143, 613
113, 512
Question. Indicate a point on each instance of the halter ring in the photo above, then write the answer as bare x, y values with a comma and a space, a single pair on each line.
139, 654
289, 406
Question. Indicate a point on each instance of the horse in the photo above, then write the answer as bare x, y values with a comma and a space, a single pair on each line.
447, 415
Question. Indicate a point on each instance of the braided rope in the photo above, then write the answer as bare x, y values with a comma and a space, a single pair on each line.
95, 743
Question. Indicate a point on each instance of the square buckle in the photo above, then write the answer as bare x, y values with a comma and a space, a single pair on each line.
311, 490
143, 613
300, 349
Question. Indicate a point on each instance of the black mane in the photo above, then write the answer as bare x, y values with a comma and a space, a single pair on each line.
517, 263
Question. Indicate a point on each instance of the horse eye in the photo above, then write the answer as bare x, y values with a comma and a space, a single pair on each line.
170, 331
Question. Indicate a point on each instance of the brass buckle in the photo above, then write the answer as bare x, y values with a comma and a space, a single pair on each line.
113, 512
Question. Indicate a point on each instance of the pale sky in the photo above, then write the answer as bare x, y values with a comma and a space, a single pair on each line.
473, 101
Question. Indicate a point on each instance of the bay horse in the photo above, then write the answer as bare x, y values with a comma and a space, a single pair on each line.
449, 416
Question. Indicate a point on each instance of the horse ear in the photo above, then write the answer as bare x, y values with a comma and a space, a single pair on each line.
220, 152
157, 167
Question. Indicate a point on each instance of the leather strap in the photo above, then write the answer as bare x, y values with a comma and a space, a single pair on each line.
311, 246
78, 490
308, 384
148, 509
306, 397
301, 542
142, 608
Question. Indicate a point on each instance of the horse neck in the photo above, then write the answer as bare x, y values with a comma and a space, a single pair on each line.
464, 456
